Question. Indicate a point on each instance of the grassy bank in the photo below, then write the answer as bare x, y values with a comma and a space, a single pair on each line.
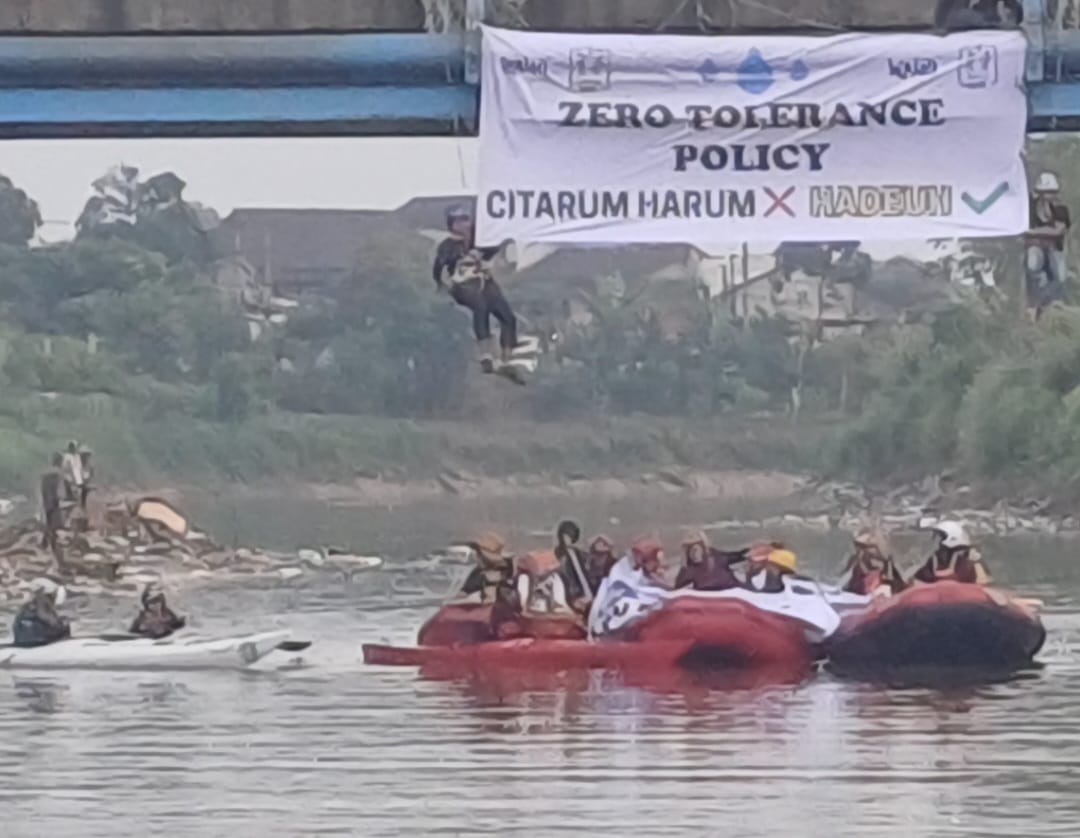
134, 450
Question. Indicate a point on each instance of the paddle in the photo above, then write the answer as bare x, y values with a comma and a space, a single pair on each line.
294, 645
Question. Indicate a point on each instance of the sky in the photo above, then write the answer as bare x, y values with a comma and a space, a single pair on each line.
334, 173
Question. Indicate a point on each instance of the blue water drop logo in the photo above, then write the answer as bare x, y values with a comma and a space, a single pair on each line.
755, 73
709, 70
799, 70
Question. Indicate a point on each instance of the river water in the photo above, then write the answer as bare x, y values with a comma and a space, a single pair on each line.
336, 748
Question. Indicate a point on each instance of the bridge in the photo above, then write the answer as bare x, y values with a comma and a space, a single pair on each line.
142, 76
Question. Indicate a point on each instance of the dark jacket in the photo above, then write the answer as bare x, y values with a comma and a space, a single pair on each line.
451, 251
597, 568
712, 574
570, 577
38, 623
157, 623
489, 581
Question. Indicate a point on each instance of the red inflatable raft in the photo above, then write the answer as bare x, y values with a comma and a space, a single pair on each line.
947, 624
687, 633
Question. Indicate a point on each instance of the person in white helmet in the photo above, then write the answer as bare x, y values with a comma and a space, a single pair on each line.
38, 623
1046, 240
953, 559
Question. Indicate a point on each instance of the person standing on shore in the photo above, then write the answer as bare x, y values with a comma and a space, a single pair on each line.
52, 512
72, 471
87, 468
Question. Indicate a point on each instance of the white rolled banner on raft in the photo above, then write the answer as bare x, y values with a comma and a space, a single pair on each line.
590, 139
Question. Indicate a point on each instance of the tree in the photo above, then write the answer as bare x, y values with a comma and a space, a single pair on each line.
19, 215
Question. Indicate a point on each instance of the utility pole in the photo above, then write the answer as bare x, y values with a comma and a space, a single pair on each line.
475, 14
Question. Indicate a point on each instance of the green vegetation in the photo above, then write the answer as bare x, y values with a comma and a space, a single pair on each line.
125, 338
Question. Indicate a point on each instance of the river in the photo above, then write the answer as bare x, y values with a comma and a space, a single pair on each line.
335, 748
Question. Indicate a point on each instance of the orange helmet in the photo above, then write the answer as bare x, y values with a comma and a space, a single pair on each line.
538, 563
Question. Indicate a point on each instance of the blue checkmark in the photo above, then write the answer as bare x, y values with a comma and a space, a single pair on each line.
981, 206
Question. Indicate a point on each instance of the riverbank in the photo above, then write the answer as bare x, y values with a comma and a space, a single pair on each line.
282, 449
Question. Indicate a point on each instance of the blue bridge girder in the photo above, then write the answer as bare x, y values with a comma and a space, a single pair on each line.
221, 85
332, 84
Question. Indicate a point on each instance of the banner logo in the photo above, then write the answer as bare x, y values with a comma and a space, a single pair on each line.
978, 66
590, 69
906, 68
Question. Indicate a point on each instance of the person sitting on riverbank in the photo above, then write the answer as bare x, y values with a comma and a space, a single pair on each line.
706, 568
38, 622
769, 564
871, 570
952, 559
540, 586
156, 619
600, 560
494, 569
572, 566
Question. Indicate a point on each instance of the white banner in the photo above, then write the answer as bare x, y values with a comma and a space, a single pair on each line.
602, 139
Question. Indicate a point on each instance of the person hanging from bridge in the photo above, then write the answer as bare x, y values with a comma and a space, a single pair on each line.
463, 270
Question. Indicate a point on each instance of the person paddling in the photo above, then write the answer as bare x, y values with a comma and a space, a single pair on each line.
156, 619
952, 560
540, 586
769, 564
600, 560
494, 569
572, 566
38, 622
705, 568
871, 569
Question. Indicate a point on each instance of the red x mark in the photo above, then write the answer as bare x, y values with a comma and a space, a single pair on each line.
779, 201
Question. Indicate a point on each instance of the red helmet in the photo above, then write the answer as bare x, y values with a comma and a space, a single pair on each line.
646, 549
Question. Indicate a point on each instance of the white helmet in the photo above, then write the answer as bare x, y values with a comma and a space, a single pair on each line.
953, 535
1047, 182
47, 586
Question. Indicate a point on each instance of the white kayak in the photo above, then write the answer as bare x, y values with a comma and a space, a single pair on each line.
180, 651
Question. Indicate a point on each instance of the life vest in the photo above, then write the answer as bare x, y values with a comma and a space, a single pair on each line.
495, 577
545, 595
540, 585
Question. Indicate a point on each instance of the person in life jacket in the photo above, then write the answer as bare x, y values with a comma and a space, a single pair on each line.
156, 619
600, 560
494, 571
572, 566
769, 564
1046, 243
646, 562
462, 269
540, 586
952, 559
706, 568
871, 569
38, 622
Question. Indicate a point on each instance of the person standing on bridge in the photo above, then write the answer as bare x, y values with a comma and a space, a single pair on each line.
1045, 239
463, 270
